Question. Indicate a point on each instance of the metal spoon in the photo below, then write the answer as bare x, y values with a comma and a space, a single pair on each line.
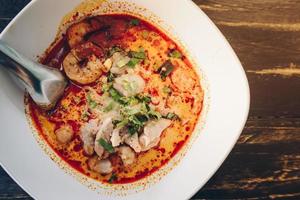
44, 84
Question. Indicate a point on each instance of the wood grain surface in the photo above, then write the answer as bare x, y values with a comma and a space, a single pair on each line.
265, 163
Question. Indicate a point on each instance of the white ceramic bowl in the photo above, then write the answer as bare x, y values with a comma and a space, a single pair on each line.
226, 103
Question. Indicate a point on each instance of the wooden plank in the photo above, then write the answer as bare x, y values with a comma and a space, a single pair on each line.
266, 36
9, 8
265, 163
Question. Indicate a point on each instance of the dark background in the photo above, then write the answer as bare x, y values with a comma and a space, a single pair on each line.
265, 162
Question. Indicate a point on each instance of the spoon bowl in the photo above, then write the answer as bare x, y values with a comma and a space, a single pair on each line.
44, 84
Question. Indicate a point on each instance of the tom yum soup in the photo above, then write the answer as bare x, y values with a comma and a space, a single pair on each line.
132, 102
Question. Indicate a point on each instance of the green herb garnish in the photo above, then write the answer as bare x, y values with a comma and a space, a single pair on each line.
137, 54
165, 69
133, 62
106, 87
175, 54
122, 123
142, 98
107, 146
154, 114
110, 77
172, 116
85, 115
121, 63
109, 107
134, 22
145, 34
116, 96
112, 178
92, 104
113, 50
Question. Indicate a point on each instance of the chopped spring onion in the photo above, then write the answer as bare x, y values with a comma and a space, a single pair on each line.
121, 63
145, 34
106, 87
93, 104
115, 95
167, 90
107, 146
172, 116
166, 69
110, 77
129, 86
175, 54
145, 99
113, 50
133, 62
137, 54
109, 107
154, 114
122, 123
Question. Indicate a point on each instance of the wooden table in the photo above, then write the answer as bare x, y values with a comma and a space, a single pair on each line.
265, 163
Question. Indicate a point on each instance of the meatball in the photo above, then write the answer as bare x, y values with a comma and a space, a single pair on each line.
127, 155
100, 166
64, 134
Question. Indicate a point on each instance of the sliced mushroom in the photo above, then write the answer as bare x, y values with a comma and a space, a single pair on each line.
117, 61
100, 166
152, 132
129, 84
64, 134
127, 155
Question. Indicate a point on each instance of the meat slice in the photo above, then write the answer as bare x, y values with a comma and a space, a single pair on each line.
105, 130
100, 166
152, 132
127, 155
87, 134
133, 142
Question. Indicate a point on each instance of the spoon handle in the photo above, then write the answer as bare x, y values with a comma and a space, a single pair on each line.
44, 84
